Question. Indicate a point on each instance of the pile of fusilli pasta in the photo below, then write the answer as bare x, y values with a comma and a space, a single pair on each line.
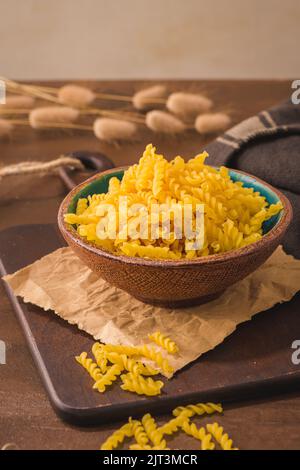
149, 436
233, 214
111, 361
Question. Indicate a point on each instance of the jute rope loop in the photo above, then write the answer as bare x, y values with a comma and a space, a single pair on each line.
10, 446
33, 167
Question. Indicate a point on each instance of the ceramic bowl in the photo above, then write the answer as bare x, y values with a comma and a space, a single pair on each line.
183, 282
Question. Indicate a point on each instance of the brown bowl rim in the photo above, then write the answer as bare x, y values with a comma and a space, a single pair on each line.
69, 231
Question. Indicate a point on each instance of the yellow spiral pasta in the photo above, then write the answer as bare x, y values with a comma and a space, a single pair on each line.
140, 385
139, 432
100, 357
173, 425
120, 349
146, 432
108, 378
148, 436
113, 441
139, 447
82, 205
155, 252
114, 185
233, 214
164, 342
158, 183
153, 432
200, 434
111, 361
89, 365
156, 356
222, 438
199, 409
147, 370
125, 362
146, 447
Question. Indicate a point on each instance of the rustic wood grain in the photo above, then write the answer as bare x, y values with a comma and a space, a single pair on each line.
26, 417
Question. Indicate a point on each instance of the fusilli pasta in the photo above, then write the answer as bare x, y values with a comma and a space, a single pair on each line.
139, 447
108, 378
139, 432
120, 349
205, 438
199, 409
113, 441
100, 357
153, 432
111, 360
173, 425
82, 205
125, 362
222, 438
140, 385
148, 436
89, 365
156, 356
164, 342
233, 214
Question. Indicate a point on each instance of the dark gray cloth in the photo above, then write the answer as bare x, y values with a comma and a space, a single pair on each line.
267, 146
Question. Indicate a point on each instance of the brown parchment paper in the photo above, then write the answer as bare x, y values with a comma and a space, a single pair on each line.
60, 282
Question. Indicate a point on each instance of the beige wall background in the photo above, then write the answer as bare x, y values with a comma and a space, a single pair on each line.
149, 38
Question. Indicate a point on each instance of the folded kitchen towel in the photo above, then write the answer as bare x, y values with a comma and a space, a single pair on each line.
268, 146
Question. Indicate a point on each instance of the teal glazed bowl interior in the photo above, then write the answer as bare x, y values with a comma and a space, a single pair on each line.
178, 283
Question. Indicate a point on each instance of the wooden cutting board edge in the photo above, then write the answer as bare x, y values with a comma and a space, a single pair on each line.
96, 415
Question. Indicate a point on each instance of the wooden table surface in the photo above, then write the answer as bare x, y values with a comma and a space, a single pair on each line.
26, 417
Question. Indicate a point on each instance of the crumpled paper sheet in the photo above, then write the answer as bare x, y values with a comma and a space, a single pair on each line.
62, 283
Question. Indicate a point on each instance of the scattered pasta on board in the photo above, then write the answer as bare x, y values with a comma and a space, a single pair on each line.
149, 436
126, 362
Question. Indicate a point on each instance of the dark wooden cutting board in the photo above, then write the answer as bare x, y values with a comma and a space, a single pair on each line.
256, 359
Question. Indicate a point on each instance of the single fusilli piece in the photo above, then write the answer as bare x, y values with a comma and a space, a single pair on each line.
120, 349
153, 432
89, 365
173, 425
100, 357
158, 178
163, 341
139, 432
199, 409
75, 219
139, 447
147, 370
156, 357
140, 385
82, 205
107, 379
113, 441
147, 447
125, 362
113, 185
222, 438
200, 434
149, 251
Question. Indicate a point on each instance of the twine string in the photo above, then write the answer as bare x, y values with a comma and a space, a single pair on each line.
10, 446
33, 167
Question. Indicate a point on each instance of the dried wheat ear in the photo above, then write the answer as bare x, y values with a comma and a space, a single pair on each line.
212, 123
